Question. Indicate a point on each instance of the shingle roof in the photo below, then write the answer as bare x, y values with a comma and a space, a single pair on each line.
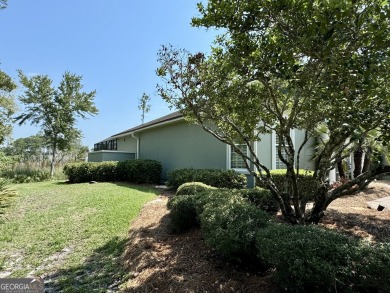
156, 122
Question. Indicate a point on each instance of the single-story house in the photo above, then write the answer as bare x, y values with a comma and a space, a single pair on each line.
177, 144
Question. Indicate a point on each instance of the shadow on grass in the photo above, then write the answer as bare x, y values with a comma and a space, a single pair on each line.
135, 186
61, 182
102, 271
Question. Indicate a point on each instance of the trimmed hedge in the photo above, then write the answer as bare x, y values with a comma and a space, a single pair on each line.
307, 184
213, 177
261, 198
314, 259
140, 171
183, 213
135, 171
230, 226
192, 188
301, 258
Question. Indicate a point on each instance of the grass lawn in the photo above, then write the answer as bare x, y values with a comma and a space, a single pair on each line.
72, 235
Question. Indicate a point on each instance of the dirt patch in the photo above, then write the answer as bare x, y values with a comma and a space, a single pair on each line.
158, 261
353, 216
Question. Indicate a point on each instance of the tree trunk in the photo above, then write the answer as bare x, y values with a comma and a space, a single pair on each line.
340, 168
367, 161
53, 160
358, 161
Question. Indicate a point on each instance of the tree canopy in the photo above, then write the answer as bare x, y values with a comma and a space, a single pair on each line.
283, 65
144, 106
7, 105
56, 110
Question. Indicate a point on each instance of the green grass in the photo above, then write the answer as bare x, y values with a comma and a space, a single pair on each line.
71, 234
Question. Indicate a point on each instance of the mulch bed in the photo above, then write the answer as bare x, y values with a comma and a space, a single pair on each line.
159, 261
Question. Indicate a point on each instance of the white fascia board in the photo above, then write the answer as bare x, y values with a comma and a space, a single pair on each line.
148, 127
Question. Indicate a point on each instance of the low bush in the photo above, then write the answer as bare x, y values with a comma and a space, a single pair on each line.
192, 188
307, 184
135, 171
373, 267
185, 210
213, 177
313, 259
183, 213
261, 198
140, 171
229, 226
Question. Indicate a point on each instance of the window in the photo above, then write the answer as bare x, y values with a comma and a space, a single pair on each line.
276, 161
236, 161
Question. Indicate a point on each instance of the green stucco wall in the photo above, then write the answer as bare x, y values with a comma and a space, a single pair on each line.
180, 145
264, 150
127, 144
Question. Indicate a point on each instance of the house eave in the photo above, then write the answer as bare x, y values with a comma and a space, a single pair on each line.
146, 128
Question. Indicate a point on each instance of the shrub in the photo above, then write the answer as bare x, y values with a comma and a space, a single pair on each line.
309, 258
373, 267
229, 225
106, 171
135, 171
213, 177
192, 188
307, 184
140, 171
183, 213
80, 172
261, 198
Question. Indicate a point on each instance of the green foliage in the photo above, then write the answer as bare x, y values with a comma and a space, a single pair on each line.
192, 188
25, 175
144, 106
261, 198
313, 259
307, 185
135, 171
213, 177
6, 194
7, 103
56, 110
140, 171
183, 213
230, 226
373, 267
285, 65
229, 222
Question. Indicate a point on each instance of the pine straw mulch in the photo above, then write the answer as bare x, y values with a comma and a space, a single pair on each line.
158, 261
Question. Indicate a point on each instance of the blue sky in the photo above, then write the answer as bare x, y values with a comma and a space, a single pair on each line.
112, 44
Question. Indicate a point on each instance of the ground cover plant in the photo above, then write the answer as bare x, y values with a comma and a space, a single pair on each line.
71, 234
